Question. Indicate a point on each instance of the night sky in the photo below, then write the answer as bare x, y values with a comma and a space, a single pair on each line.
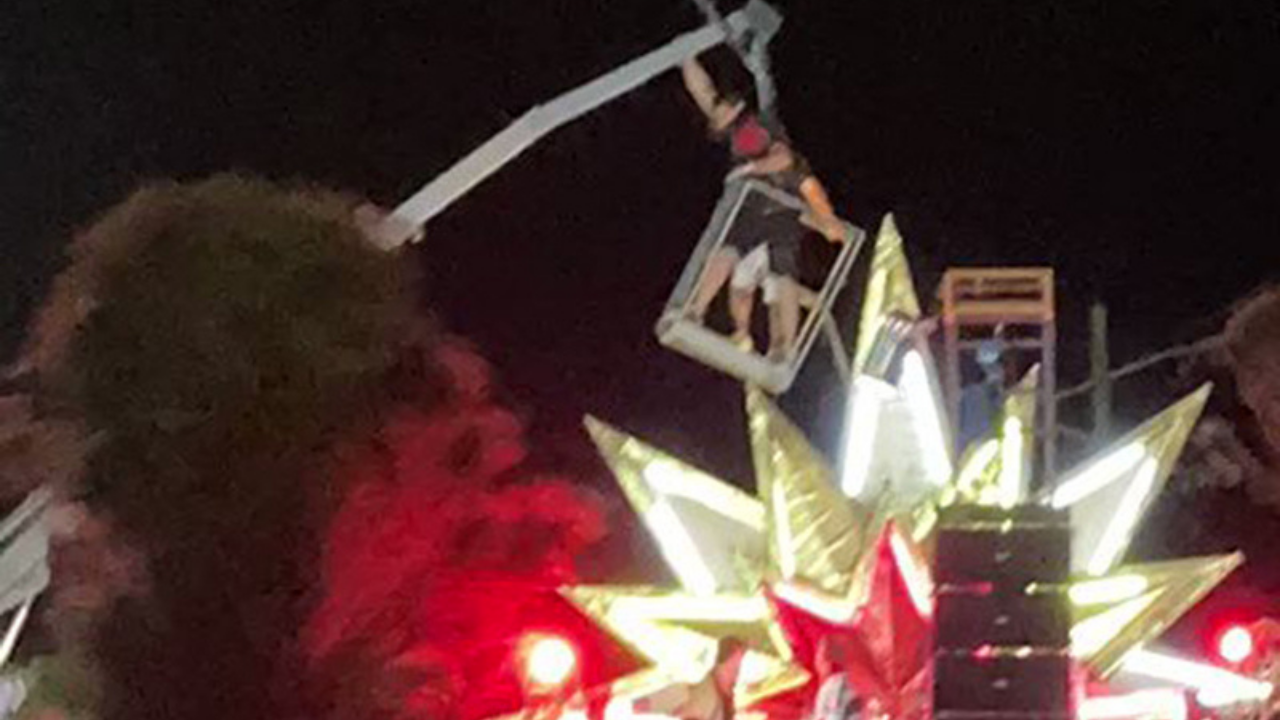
1129, 144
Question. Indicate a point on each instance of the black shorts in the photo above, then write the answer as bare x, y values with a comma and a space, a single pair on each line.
764, 221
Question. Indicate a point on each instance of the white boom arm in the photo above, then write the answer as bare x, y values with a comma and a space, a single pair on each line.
24, 537
404, 223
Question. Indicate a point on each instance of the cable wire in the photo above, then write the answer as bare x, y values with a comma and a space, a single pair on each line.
1199, 347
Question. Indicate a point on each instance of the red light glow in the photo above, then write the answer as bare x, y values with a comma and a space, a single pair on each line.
1235, 644
549, 661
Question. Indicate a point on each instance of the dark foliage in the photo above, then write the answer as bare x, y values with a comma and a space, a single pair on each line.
219, 337
443, 555
1253, 339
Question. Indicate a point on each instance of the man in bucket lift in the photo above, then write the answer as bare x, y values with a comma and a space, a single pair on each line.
764, 243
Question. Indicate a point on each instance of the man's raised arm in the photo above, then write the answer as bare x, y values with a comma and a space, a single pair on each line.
700, 87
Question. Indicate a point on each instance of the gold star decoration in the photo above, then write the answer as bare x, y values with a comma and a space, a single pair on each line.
815, 553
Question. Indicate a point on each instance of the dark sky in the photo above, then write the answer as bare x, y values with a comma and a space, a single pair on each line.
1130, 144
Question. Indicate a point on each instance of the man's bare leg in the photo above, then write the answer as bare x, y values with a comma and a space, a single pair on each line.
716, 274
784, 319
740, 306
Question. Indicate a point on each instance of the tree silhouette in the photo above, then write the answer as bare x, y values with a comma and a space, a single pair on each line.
1253, 341
217, 339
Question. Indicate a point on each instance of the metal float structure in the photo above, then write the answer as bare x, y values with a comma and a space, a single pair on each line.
748, 31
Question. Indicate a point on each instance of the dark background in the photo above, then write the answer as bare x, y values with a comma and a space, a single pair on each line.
1127, 144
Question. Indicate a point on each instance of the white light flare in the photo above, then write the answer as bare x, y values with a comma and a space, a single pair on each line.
1092, 634
1011, 462
1158, 704
1235, 645
862, 421
1096, 476
550, 661
1215, 686
679, 549
836, 613
916, 578
926, 417
670, 479
1116, 537
754, 669
1107, 590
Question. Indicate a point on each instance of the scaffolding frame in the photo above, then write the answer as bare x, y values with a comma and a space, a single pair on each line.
978, 301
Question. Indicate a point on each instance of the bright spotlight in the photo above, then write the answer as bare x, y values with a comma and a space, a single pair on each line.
1235, 644
549, 661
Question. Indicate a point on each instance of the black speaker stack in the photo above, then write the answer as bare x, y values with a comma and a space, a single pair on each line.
1002, 640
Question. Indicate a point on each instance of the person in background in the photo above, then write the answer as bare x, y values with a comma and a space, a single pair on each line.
982, 402
763, 245
835, 699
